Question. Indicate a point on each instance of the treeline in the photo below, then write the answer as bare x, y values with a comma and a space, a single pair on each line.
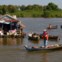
50, 10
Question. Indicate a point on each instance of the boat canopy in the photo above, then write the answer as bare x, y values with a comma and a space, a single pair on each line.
4, 22
8, 18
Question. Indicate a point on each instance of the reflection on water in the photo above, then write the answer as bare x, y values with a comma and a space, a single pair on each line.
11, 41
34, 42
13, 50
37, 56
45, 57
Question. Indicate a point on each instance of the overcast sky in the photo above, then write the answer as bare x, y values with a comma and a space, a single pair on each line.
31, 2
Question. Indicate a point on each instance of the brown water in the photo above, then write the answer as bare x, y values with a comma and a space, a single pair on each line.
12, 49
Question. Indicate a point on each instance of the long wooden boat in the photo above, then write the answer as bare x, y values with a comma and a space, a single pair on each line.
53, 27
50, 48
52, 37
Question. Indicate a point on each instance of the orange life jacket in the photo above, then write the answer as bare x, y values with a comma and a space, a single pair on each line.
45, 37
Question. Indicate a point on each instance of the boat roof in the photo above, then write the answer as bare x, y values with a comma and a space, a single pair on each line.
8, 18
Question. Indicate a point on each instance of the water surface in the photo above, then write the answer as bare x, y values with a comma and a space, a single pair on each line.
12, 49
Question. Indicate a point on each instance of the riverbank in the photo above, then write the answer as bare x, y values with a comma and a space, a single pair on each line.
49, 11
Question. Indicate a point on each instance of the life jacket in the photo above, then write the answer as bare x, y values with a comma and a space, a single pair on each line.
45, 36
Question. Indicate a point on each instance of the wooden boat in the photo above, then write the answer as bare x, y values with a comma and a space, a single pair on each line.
50, 48
61, 26
13, 36
33, 36
51, 37
54, 37
52, 27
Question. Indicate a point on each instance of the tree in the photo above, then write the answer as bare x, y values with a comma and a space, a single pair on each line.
11, 8
52, 6
4, 9
22, 7
46, 14
29, 7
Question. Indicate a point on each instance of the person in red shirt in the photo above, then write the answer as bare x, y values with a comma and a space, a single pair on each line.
45, 38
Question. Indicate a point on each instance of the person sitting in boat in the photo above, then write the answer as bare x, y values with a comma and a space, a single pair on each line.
30, 34
35, 47
34, 35
50, 26
45, 38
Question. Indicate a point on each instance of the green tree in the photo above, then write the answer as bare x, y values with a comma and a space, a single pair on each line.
4, 9
12, 9
22, 8
46, 14
29, 7
52, 6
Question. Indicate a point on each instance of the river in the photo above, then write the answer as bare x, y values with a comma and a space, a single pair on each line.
12, 49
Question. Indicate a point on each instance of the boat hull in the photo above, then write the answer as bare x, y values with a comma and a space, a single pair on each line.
54, 48
34, 37
51, 37
53, 27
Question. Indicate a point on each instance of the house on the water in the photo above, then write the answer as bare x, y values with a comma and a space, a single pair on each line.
10, 25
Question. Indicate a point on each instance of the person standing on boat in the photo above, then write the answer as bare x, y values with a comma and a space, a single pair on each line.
45, 38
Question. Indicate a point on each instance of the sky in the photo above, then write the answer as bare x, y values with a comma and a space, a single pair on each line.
31, 2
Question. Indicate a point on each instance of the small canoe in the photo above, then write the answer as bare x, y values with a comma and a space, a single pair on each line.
53, 27
50, 48
34, 37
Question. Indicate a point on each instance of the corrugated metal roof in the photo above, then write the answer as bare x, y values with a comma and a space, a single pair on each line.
9, 18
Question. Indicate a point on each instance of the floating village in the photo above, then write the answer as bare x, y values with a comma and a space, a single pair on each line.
10, 26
